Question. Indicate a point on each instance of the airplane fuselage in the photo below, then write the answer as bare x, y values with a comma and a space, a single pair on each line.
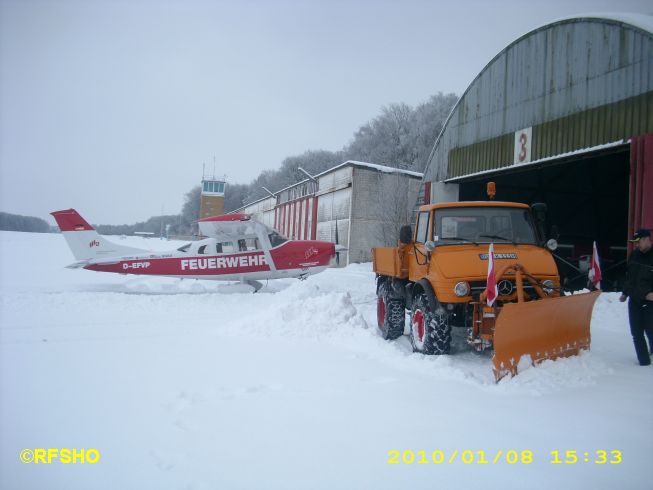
291, 259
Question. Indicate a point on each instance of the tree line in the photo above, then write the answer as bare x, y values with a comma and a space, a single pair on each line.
156, 225
17, 222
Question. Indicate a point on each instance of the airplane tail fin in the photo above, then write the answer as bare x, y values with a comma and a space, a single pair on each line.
85, 243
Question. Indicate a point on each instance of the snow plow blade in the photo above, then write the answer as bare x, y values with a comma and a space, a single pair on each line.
544, 329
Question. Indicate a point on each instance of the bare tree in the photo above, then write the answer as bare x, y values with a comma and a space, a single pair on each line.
392, 206
401, 136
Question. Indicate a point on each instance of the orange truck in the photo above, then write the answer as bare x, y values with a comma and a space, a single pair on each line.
439, 274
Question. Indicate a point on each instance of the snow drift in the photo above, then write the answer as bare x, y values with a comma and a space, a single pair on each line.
199, 385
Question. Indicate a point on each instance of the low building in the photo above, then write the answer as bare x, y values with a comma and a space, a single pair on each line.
355, 204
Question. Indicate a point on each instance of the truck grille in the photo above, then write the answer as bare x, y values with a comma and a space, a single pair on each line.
506, 287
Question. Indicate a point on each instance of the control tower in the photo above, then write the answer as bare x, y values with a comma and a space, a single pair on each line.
212, 197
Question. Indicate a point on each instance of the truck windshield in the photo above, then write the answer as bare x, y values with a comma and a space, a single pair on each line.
483, 225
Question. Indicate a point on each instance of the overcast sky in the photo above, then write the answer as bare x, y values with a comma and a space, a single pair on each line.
112, 107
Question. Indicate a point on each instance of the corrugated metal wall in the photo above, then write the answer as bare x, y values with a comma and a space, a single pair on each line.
586, 129
262, 210
334, 207
578, 83
296, 219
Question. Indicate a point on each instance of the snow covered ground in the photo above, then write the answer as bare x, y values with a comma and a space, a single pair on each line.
202, 385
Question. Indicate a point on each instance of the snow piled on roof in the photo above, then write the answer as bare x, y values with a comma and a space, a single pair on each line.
380, 168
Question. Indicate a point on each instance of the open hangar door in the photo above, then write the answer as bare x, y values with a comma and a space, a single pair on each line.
587, 199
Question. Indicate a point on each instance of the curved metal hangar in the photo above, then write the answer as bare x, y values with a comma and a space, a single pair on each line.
563, 115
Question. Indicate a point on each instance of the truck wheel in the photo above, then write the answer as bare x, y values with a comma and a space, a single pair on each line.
390, 313
430, 332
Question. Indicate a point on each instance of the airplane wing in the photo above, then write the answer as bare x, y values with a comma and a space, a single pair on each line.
231, 226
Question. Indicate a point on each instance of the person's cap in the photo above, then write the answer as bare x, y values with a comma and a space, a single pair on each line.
641, 233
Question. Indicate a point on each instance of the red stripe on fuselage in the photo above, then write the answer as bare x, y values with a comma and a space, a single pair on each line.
189, 266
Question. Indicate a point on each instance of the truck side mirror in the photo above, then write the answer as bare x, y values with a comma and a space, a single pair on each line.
539, 209
406, 235
539, 213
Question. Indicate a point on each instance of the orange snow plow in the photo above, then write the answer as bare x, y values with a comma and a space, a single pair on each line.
439, 274
549, 329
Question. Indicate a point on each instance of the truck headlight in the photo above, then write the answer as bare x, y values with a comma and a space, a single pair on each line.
548, 286
461, 289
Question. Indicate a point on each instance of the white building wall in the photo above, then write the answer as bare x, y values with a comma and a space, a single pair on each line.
381, 204
340, 177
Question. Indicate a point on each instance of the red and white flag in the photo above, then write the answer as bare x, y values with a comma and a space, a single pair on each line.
595, 269
491, 288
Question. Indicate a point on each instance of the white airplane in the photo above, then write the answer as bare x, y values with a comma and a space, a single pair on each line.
240, 248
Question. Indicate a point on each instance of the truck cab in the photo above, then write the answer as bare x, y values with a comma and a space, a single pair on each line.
451, 242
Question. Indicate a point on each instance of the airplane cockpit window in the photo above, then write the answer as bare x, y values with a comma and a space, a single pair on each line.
202, 249
248, 244
225, 248
276, 239
184, 248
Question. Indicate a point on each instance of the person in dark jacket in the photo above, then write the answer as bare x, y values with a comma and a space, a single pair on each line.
639, 288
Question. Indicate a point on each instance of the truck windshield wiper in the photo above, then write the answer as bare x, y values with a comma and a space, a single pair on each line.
497, 237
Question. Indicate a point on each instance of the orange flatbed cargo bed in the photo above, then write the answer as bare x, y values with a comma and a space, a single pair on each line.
387, 262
